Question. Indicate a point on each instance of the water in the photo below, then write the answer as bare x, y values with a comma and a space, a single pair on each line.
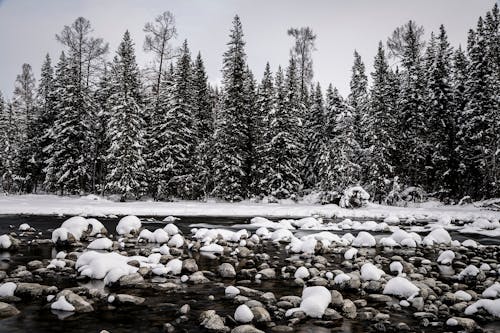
161, 306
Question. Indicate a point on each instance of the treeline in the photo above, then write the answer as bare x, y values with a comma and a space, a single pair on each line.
429, 120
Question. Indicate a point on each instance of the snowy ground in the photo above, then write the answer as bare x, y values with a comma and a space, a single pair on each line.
95, 206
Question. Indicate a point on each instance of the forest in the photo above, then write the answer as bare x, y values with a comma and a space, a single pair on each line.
428, 122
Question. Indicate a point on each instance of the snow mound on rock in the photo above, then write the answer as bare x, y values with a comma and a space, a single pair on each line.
437, 236
369, 272
7, 289
5, 242
128, 224
108, 266
364, 239
491, 306
399, 286
101, 244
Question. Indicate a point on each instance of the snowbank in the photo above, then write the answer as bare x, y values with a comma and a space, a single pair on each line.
31, 204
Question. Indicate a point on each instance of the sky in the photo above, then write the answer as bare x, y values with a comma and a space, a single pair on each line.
28, 28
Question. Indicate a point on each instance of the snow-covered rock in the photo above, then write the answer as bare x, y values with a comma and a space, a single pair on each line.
176, 241
491, 306
215, 248
108, 266
315, 300
62, 305
24, 227
492, 291
446, 257
7, 289
301, 273
128, 224
364, 239
171, 229
350, 254
354, 197
369, 272
437, 236
5, 242
399, 286
469, 271
231, 291
101, 244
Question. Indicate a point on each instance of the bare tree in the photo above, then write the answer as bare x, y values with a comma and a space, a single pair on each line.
398, 41
84, 49
158, 36
301, 52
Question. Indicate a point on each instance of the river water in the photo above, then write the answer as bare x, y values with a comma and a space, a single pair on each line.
162, 307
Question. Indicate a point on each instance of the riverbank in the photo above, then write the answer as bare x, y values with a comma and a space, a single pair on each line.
52, 205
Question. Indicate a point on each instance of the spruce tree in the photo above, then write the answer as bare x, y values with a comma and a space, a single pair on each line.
126, 165
177, 132
380, 128
358, 97
10, 145
314, 130
265, 108
204, 118
231, 132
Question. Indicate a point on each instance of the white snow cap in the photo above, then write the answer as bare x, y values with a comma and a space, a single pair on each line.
101, 244
128, 224
364, 239
231, 291
369, 272
24, 227
446, 257
400, 286
5, 242
7, 289
301, 273
315, 300
62, 305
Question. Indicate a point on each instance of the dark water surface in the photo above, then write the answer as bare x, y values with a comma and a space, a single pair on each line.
161, 307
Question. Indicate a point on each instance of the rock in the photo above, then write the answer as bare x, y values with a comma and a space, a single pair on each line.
284, 305
131, 280
198, 278
184, 309
337, 299
189, 265
260, 314
249, 292
246, 329
129, 299
212, 321
294, 300
226, 270
268, 297
379, 298
468, 324
7, 310
268, 274
78, 302
331, 314
317, 281
418, 303
33, 290
349, 309
282, 329
34, 264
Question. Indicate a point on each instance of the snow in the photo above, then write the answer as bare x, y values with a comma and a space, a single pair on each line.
100, 244
491, 306
128, 224
108, 266
62, 305
170, 219
470, 270
463, 296
399, 286
391, 219
364, 239
174, 266
437, 236
396, 267
171, 229
5, 242
315, 300
341, 278
492, 291
231, 291
446, 257
59, 234
7, 289
243, 314
369, 272
32, 204
351, 253
160, 236
24, 227
215, 248
355, 193
176, 241
469, 243
301, 273
77, 226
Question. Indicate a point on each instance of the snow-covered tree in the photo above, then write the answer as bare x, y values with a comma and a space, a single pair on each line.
264, 112
302, 55
358, 97
231, 133
380, 126
126, 165
68, 168
177, 132
314, 132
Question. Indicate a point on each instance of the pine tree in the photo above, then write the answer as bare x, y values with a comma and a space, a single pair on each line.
380, 128
314, 130
126, 165
411, 145
254, 124
231, 133
177, 133
480, 118
264, 113
204, 117
441, 119
358, 98
68, 168
285, 147
10, 145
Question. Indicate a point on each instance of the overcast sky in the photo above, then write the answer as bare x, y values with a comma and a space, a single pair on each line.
28, 27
